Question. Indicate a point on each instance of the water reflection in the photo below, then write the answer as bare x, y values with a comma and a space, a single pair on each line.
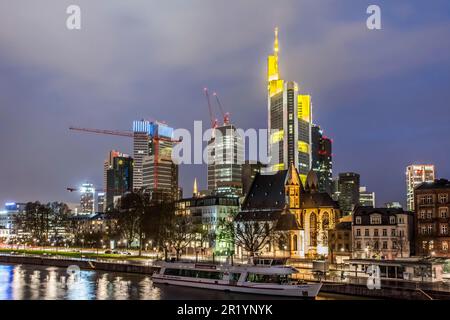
27, 282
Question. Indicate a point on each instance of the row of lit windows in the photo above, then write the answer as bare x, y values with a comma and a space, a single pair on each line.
376, 219
429, 245
429, 198
428, 213
376, 233
429, 229
376, 245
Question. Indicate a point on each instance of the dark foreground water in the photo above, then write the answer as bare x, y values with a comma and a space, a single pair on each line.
28, 282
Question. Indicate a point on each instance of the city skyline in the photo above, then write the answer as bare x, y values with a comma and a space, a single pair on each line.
349, 104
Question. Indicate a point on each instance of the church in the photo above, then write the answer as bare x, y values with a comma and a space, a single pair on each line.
300, 212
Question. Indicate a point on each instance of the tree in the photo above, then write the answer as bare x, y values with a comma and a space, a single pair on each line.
252, 236
129, 213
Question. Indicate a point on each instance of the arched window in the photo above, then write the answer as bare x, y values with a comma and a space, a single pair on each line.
325, 221
313, 229
295, 242
325, 227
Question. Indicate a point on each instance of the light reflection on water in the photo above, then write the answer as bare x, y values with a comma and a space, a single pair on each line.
28, 282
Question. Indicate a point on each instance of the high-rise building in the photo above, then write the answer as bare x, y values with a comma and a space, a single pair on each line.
335, 189
249, 171
322, 159
415, 176
161, 176
101, 202
348, 192
289, 120
119, 176
366, 198
154, 169
225, 157
87, 201
141, 148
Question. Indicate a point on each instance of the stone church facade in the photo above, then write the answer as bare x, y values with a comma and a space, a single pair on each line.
298, 212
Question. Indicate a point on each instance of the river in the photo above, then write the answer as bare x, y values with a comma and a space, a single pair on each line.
29, 282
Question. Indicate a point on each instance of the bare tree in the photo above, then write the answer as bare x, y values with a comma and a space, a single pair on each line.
252, 236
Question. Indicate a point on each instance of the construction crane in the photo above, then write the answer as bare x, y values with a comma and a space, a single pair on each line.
129, 134
214, 122
225, 115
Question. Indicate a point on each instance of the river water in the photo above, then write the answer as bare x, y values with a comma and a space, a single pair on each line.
29, 282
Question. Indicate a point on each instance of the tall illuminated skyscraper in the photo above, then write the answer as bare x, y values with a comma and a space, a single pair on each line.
289, 120
225, 158
415, 176
321, 155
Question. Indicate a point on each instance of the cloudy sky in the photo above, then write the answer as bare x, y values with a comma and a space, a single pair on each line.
383, 96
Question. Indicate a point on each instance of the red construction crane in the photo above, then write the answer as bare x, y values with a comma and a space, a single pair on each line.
225, 115
214, 122
129, 134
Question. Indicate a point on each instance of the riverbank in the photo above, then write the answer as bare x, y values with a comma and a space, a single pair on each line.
127, 266
64, 262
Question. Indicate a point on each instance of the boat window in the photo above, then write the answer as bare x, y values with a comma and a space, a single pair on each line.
194, 274
235, 276
268, 278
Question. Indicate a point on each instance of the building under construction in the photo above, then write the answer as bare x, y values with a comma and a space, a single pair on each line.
154, 171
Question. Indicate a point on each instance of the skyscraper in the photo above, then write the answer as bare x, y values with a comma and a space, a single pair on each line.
348, 191
141, 148
249, 171
154, 169
87, 200
119, 176
289, 120
322, 159
225, 157
416, 175
366, 198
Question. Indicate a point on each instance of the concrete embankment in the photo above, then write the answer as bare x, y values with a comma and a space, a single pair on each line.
110, 266
384, 292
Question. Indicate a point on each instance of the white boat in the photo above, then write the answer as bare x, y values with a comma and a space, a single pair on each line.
265, 277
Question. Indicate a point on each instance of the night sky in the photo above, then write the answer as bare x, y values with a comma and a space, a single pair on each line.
382, 96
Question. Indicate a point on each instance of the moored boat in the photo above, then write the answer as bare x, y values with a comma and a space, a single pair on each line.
265, 277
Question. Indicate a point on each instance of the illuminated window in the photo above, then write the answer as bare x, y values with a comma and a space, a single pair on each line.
426, 199
444, 246
422, 214
444, 229
375, 219
443, 198
392, 220
443, 212
358, 220
430, 229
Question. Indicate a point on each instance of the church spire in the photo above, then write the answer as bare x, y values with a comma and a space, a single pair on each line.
195, 189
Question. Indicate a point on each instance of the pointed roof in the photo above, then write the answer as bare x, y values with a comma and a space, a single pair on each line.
312, 181
287, 221
293, 178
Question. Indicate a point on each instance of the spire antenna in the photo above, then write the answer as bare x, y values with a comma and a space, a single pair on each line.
275, 45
